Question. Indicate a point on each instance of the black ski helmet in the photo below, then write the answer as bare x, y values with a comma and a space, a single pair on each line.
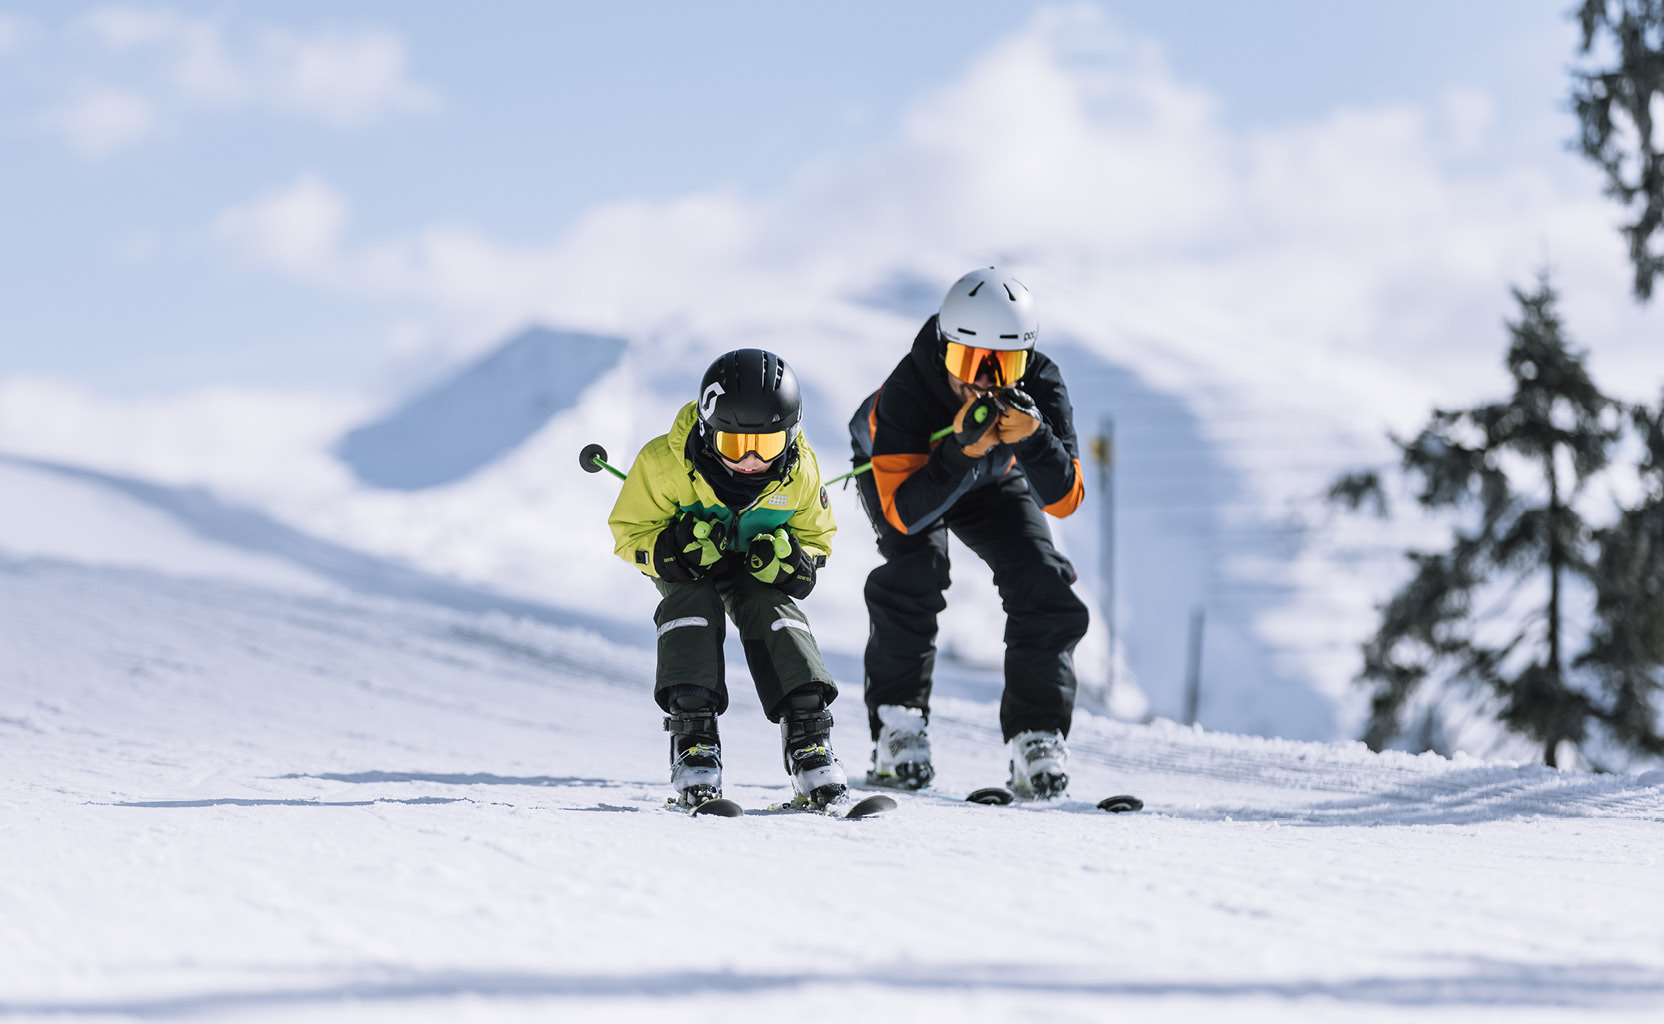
750, 391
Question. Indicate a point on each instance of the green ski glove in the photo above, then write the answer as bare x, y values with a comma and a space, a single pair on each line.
688, 548
780, 561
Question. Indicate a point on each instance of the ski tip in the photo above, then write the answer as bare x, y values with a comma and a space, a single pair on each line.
994, 796
1120, 804
878, 803
720, 808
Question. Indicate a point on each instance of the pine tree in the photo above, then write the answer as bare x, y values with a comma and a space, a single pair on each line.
1615, 107
1626, 649
1512, 472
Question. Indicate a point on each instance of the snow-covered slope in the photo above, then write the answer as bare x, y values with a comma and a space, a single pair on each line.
224, 802
66, 513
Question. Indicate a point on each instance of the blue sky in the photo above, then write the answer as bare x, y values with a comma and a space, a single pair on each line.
515, 119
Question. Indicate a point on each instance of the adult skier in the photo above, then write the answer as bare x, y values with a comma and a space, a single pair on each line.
726, 514
1012, 456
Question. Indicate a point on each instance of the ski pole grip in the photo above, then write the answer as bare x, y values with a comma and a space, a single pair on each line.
760, 552
979, 419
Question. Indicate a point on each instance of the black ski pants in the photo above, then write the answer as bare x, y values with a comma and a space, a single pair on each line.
774, 633
1044, 619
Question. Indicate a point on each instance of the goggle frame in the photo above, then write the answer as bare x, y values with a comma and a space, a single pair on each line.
964, 362
735, 446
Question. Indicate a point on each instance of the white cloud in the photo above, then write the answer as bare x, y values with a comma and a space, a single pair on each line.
1469, 116
1327, 262
343, 78
296, 230
1075, 152
14, 31
193, 62
99, 120
175, 64
128, 28
1301, 278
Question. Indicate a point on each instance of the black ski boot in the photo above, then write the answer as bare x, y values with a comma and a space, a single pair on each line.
806, 738
695, 751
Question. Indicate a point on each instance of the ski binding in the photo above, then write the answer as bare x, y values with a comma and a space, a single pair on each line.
868, 807
716, 807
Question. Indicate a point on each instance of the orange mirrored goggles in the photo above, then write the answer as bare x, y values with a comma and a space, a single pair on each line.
735, 447
1006, 367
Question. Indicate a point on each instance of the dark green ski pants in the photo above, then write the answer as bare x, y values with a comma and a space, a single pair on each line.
779, 649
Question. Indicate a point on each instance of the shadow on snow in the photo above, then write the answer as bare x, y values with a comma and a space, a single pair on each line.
1482, 984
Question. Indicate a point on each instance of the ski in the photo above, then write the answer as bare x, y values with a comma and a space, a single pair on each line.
1121, 803
867, 807
999, 796
716, 807
721, 807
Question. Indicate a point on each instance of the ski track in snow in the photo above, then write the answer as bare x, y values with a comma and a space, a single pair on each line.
223, 802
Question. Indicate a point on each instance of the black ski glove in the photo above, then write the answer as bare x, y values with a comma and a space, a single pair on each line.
778, 559
689, 548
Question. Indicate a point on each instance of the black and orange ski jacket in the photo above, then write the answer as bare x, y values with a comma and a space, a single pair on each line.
919, 480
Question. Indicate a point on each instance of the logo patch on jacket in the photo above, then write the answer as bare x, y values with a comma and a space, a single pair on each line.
780, 500
823, 501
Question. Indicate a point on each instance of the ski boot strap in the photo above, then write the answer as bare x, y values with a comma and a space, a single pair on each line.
805, 725
691, 723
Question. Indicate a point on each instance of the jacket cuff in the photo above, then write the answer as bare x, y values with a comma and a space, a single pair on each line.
1036, 444
665, 563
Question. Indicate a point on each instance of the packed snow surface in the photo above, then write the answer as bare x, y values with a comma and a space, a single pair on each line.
228, 802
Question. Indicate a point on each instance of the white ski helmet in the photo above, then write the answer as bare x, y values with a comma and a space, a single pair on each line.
989, 309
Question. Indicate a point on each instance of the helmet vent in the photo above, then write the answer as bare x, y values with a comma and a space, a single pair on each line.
967, 330
1008, 293
978, 288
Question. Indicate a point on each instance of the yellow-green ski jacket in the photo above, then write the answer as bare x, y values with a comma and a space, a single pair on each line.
663, 484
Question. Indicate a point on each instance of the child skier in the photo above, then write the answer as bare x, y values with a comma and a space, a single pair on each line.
726, 513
